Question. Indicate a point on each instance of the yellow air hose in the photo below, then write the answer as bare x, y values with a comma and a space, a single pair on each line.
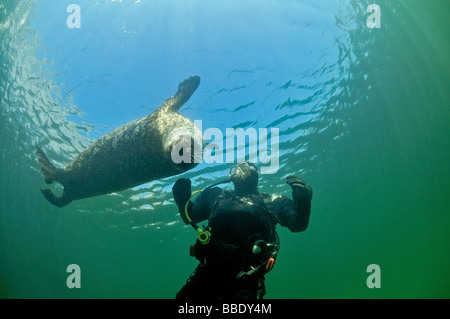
203, 236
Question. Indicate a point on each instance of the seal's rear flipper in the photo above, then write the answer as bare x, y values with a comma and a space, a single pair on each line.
57, 201
51, 174
185, 91
48, 170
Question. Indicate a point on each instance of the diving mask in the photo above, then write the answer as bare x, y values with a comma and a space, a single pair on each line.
240, 172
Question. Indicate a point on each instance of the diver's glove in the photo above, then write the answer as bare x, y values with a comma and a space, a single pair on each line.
181, 191
300, 191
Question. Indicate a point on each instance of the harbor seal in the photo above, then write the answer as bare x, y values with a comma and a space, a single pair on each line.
135, 153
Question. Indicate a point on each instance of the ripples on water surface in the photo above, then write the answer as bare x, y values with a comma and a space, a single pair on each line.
362, 113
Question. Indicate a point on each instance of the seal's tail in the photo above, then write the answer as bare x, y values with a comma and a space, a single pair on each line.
50, 173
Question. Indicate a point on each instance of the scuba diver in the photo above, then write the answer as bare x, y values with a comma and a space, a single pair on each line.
240, 244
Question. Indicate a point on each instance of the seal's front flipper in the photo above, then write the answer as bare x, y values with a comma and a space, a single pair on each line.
57, 201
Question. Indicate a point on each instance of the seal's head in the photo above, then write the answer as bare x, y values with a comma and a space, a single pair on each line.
184, 148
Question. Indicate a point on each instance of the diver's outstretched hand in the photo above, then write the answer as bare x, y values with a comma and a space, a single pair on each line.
181, 191
300, 190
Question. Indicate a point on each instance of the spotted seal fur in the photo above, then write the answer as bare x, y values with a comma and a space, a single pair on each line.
133, 154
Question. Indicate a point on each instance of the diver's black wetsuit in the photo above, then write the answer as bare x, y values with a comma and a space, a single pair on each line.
236, 223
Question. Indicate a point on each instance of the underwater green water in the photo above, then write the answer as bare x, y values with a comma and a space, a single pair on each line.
363, 117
